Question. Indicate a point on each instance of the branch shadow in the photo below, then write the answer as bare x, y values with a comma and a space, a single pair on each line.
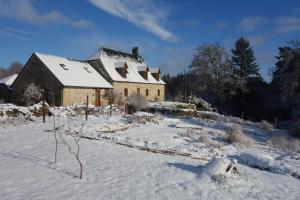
195, 169
37, 160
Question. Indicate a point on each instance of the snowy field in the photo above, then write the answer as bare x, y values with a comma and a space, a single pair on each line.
143, 157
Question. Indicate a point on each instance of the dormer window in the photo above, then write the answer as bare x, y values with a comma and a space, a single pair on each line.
64, 66
143, 71
121, 68
155, 72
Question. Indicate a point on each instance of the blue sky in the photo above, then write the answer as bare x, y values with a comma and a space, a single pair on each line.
167, 32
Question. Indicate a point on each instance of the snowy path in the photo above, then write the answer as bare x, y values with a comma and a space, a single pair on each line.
117, 172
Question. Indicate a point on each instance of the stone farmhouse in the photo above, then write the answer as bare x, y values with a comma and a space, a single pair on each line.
128, 73
67, 81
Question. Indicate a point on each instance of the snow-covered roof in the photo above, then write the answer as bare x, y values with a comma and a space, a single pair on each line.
142, 68
73, 72
9, 80
109, 60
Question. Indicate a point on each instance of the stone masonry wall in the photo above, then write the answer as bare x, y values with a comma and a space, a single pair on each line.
133, 87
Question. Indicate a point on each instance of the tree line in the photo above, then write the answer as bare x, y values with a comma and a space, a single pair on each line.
14, 68
232, 83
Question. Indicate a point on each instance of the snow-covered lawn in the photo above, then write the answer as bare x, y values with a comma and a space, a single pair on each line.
114, 171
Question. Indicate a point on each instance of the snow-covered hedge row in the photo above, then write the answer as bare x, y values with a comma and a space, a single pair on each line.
11, 110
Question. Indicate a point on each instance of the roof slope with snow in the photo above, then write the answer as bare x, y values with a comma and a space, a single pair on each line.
73, 72
111, 58
9, 80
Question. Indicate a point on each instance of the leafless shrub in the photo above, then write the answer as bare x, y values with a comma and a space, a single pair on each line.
285, 143
114, 97
236, 135
136, 102
32, 94
295, 130
264, 124
76, 133
205, 140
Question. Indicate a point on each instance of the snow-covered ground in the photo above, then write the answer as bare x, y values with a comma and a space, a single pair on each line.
120, 163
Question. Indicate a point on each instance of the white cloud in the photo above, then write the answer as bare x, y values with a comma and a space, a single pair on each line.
142, 13
250, 23
288, 24
256, 40
24, 10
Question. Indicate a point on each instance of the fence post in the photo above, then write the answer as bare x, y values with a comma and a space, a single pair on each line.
242, 115
87, 107
44, 117
276, 122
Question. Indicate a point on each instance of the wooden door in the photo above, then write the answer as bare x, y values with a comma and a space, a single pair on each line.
98, 98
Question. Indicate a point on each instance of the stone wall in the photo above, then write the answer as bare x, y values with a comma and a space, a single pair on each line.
133, 87
73, 95
36, 72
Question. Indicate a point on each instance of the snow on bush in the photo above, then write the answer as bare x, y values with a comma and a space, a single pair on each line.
295, 130
219, 169
285, 143
32, 94
136, 102
266, 125
237, 136
200, 103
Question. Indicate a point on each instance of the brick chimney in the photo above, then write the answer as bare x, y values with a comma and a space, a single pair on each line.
135, 51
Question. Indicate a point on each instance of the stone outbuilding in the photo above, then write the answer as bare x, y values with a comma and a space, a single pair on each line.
65, 81
5, 87
128, 73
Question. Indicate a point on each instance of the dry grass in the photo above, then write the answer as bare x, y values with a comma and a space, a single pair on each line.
295, 130
266, 125
285, 143
237, 136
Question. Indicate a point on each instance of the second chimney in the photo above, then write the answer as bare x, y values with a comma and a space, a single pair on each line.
135, 51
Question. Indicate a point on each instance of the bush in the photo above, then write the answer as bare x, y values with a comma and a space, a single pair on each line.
236, 135
200, 103
285, 143
32, 94
136, 102
266, 125
114, 97
295, 130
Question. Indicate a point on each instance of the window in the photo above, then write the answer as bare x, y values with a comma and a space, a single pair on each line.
147, 92
138, 90
158, 92
64, 66
125, 92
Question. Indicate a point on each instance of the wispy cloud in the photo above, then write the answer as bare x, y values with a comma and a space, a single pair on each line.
11, 35
256, 40
221, 24
250, 23
288, 24
24, 10
144, 14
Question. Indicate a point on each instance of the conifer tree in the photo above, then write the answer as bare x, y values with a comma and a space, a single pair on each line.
244, 60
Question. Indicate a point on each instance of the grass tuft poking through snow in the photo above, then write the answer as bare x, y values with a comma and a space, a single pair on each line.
285, 143
237, 136
264, 124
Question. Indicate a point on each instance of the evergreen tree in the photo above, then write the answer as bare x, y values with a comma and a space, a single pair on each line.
244, 61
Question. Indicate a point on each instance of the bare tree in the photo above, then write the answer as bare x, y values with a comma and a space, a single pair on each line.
15, 68
76, 137
114, 97
212, 63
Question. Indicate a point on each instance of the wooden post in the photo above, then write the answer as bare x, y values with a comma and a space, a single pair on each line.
87, 107
276, 122
44, 116
242, 116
